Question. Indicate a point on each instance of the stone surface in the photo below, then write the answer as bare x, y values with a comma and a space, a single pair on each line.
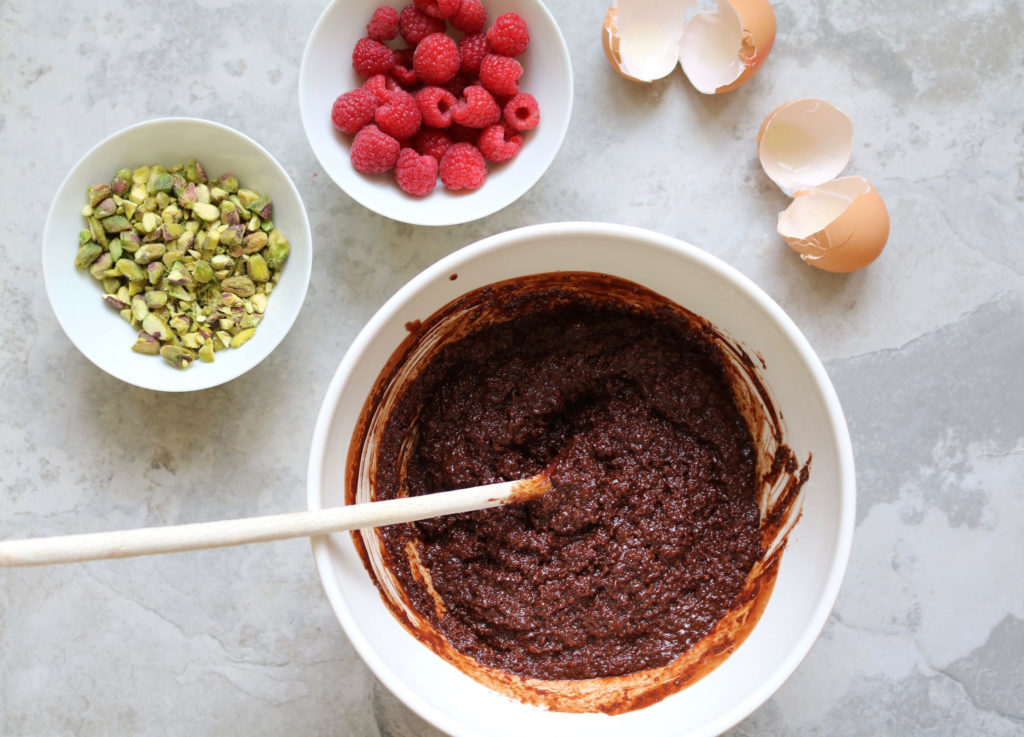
925, 348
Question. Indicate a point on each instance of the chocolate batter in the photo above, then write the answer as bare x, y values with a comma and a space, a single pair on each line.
652, 525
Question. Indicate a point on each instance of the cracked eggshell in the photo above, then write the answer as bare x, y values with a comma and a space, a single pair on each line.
839, 226
804, 143
641, 39
720, 51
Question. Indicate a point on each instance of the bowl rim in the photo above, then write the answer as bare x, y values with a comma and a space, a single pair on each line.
205, 382
417, 215
451, 264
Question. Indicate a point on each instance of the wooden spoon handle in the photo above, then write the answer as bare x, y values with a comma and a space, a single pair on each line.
177, 538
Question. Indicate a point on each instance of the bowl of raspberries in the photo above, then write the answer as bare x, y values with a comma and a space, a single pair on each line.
435, 112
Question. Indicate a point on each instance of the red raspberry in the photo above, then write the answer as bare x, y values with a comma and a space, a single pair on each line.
399, 116
401, 69
353, 110
415, 173
458, 84
500, 75
471, 17
373, 151
463, 133
477, 109
522, 112
472, 50
436, 59
370, 57
435, 104
499, 143
381, 85
431, 142
463, 167
415, 25
383, 26
509, 35
438, 8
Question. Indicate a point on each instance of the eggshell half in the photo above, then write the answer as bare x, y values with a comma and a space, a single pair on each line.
804, 143
720, 51
641, 38
841, 226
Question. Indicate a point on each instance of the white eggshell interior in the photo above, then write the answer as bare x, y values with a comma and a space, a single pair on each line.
819, 207
710, 49
649, 35
805, 143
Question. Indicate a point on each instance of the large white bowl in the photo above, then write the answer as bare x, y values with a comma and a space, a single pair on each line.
95, 328
327, 72
812, 566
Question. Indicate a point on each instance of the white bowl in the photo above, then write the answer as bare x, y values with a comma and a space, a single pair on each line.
97, 330
812, 565
327, 72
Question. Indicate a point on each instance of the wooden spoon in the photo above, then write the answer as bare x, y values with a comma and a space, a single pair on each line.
176, 538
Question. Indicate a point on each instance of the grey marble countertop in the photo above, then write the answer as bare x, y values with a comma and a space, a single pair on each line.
925, 348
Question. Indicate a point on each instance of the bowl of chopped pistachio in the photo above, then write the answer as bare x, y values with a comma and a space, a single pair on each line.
176, 254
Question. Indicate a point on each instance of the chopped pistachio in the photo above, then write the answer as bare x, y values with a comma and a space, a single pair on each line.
87, 254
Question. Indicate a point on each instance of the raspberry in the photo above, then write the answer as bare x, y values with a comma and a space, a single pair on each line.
522, 112
458, 84
383, 26
499, 143
370, 57
436, 59
477, 109
463, 134
438, 8
415, 25
415, 173
463, 167
508, 35
435, 104
399, 116
500, 75
431, 142
381, 85
471, 17
401, 68
472, 50
353, 110
373, 151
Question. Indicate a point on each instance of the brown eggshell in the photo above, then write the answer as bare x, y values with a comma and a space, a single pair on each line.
759, 27
852, 239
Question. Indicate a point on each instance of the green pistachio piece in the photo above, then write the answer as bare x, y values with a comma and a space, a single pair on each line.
180, 358
194, 172
114, 302
139, 307
156, 327
254, 242
116, 224
242, 337
159, 181
101, 265
246, 197
146, 344
84, 236
202, 272
258, 269
130, 242
206, 352
97, 193
131, 270
149, 253
206, 211
229, 183
178, 275
105, 209
115, 248
98, 234
262, 207
277, 249
241, 286
170, 257
155, 299
259, 302
222, 261
155, 272
111, 284
121, 182
87, 254
180, 324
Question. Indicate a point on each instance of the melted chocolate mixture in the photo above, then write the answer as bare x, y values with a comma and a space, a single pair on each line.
652, 525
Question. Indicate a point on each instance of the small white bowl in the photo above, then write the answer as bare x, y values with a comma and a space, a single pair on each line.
97, 330
812, 566
327, 72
